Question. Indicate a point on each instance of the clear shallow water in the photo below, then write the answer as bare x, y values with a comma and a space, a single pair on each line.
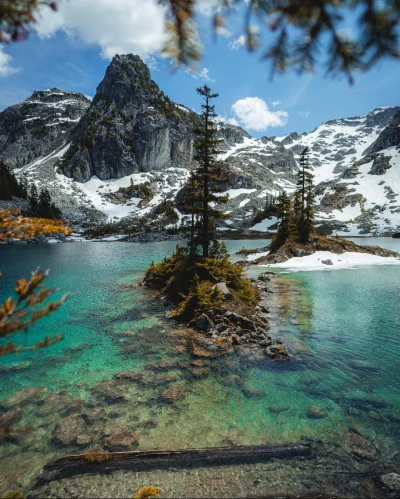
342, 327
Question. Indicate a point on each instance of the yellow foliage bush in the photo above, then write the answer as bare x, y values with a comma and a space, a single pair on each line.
147, 492
15, 226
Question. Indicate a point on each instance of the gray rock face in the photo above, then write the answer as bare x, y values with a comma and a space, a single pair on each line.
391, 481
223, 288
389, 137
131, 127
380, 165
39, 125
255, 166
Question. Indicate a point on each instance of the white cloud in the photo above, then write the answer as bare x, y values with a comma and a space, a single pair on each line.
238, 43
276, 103
231, 121
303, 114
5, 60
202, 74
223, 31
254, 114
117, 26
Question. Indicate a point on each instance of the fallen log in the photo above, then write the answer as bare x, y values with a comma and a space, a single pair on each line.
68, 466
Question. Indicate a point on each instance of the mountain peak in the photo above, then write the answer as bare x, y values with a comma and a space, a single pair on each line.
131, 126
127, 78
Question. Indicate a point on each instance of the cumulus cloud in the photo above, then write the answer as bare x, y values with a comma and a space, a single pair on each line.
224, 119
116, 26
5, 61
254, 114
202, 74
238, 43
276, 103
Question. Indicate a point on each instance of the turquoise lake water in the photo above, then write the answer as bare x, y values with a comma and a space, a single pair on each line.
342, 327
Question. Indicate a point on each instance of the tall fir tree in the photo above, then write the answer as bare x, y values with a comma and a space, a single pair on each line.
46, 207
285, 227
303, 216
210, 175
33, 199
309, 219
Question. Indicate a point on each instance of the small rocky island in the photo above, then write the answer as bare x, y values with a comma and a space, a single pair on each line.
217, 299
293, 248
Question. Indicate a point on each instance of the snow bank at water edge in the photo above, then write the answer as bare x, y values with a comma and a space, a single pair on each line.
342, 261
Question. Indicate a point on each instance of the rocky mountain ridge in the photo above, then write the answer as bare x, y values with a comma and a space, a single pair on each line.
89, 153
37, 126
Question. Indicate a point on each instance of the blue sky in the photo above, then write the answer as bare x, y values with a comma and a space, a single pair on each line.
73, 48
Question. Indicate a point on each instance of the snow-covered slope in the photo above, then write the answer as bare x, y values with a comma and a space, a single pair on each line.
357, 192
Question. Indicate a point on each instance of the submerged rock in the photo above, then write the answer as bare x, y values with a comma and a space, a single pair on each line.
358, 446
10, 417
364, 401
315, 412
128, 375
68, 430
59, 403
277, 352
23, 397
111, 391
391, 481
209, 347
276, 409
121, 441
173, 393
199, 372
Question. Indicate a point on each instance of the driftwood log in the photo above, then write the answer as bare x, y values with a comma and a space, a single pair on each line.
72, 465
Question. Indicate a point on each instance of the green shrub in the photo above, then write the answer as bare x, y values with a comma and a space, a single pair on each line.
189, 282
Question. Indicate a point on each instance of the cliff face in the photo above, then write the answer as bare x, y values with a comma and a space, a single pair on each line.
389, 137
36, 127
130, 127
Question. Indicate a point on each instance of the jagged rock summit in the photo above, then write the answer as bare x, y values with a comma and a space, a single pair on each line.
36, 127
130, 127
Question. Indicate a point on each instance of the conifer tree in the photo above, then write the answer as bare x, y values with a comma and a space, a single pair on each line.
303, 218
284, 213
9, 186
44, 207
309, 212
191, 206
33, 199
211, 174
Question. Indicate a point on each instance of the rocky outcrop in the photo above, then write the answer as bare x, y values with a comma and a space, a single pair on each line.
131, 126
36, 127
389, 137
380, 165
